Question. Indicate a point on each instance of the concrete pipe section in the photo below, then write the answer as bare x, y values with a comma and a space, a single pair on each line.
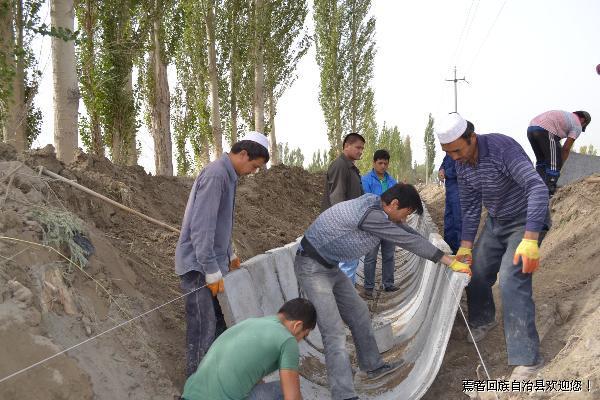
412, 324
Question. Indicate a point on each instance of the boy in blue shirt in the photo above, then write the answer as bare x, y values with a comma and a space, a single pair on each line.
378, 181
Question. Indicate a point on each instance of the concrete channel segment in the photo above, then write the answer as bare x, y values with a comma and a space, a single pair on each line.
412, 324
578, 166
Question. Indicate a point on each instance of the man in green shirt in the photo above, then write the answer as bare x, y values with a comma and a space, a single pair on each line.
251, 350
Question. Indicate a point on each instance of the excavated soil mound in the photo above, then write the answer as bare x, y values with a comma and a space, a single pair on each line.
48, 303
567, 297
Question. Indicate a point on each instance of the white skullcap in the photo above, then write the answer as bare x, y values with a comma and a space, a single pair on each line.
450, 128
258, 138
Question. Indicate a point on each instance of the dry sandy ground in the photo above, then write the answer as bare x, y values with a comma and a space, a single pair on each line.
46, 304
567, 296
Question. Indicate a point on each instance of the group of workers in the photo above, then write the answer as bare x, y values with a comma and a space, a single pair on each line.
361, 215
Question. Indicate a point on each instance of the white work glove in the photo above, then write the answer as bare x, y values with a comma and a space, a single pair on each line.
214, 277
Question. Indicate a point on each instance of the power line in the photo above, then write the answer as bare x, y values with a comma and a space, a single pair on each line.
487, 36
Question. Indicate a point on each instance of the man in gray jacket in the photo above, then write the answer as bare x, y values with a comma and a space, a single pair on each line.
204, 253
343, 182
344, 232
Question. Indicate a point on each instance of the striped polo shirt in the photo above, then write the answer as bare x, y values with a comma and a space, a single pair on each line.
560, 123
505, 181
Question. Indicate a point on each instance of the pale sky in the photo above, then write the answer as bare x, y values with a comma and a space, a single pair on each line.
520, 57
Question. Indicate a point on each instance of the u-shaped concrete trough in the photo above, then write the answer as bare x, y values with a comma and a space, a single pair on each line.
413, 324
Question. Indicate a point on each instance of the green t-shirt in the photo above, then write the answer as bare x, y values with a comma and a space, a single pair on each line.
384, 184
240, 357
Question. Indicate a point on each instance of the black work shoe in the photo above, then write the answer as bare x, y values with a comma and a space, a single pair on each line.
392, 288
384, 370
353, 398
368, 294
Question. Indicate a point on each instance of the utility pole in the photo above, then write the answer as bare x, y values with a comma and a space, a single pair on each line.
455, 80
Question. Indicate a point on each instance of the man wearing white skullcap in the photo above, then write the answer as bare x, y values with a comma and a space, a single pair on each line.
494, 170
204, 252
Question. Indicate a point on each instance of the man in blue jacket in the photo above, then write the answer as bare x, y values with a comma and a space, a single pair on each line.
204, 253
452, 214
378, 181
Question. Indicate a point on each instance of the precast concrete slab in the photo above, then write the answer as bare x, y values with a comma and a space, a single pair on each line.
239, 301
412, 325
578, 166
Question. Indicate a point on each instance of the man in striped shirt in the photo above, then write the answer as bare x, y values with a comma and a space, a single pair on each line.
493, 169
545, 133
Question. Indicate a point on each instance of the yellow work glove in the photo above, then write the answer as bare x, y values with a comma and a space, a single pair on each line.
529, 253
458, 266
465, 255
215, 282
217, 287
234, 262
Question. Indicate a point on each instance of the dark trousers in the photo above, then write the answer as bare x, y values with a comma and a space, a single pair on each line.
387, 265
452, 216
492, 258
548, 154
204, 319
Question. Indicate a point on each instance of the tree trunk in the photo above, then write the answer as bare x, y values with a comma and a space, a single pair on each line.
66, 90
131, 150
272, 138
233, 98
16, 113
88, 70
204, 157
161, 105
259, 70
209, 16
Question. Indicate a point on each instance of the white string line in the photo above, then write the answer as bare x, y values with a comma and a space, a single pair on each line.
486, 36
96, 336
468, 328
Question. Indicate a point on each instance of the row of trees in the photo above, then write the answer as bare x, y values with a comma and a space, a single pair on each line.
233, 59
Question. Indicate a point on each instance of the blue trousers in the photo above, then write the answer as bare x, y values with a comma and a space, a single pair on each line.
387, 265
266, 391
337, 302
203, 317
452, 216
492, 257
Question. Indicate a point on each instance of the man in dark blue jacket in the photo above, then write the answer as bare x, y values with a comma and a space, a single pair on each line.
378, 181
452, 215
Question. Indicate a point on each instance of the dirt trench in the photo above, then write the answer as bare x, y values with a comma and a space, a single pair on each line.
47, 303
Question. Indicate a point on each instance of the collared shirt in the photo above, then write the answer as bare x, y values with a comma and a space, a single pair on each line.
560, 123
505, 181
372, 184
205, 241
449, 167
341, 183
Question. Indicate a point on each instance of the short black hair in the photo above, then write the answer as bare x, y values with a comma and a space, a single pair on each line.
353, 137
299, 309
253, 149
381, 155
467, 134
407, 196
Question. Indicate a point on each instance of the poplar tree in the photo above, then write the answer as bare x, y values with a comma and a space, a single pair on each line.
429, 141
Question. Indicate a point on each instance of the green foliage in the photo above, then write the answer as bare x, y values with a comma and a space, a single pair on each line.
320, 161
589, 150
14, 53
345, 43
60, 230
429, 141
290, 157
119, 49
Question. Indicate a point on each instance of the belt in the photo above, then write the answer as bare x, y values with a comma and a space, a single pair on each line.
307, 250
